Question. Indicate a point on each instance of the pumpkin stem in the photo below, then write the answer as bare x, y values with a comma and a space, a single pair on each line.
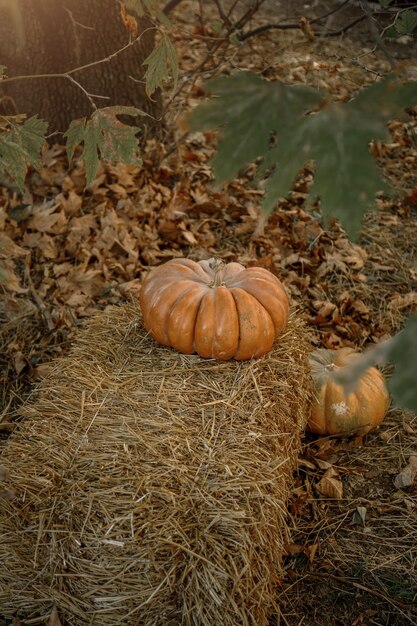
217, 266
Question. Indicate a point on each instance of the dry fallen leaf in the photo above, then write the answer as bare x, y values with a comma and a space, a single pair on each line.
8, 248
323, 465
402, 302
330, 485
407, 475
359, 516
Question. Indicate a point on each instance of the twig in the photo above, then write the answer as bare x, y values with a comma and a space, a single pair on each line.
248, 15
261, 29
222, 14
375, 34
75, 23
68, 73
232, 8
296, 26
88, 96
344, 29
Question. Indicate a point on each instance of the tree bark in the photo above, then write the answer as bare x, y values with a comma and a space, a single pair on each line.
56, 36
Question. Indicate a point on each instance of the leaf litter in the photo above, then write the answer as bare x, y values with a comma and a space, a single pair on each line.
68, 250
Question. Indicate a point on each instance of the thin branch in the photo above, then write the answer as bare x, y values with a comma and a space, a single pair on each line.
343, 30
329, 13
88, 96
248, 15
81, 67
69, 73
232, 8
296, 26
75, 23
375, 34
222, 14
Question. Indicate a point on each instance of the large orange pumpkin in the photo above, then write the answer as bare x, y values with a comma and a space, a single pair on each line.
334, 411
218, 310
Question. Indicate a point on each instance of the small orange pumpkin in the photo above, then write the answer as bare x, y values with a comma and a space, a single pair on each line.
335, 412
218, 310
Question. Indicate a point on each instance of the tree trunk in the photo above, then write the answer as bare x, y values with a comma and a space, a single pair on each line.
55, 36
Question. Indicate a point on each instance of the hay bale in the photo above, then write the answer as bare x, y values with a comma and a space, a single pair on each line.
151, 486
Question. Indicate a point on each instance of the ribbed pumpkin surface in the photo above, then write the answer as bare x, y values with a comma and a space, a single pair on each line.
217, 310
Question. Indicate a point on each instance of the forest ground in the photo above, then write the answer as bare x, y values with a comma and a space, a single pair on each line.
69, 251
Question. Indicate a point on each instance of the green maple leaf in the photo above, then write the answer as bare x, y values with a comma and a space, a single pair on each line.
248, 109
20, 147
346, 176
162, 58
406, 22
337, 139
104, 136
135, 5
403, 352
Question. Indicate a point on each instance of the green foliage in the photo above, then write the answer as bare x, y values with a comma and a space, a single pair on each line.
21, 141
104, 136
403, 352
2, 71
162, 57
406, 22
148, 7
141, 7
400, 350
249, 110
346, 177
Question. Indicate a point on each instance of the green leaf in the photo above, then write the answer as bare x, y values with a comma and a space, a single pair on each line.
350, 376
32, 137
217, 27
92, 144
163, 19
20, 147
135, 5
249, 110
162, 58
403, 352
286, 160
391, 33
385, 3
346, 176
385, 99
2, 71
406, 22
104, 136
74, 136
